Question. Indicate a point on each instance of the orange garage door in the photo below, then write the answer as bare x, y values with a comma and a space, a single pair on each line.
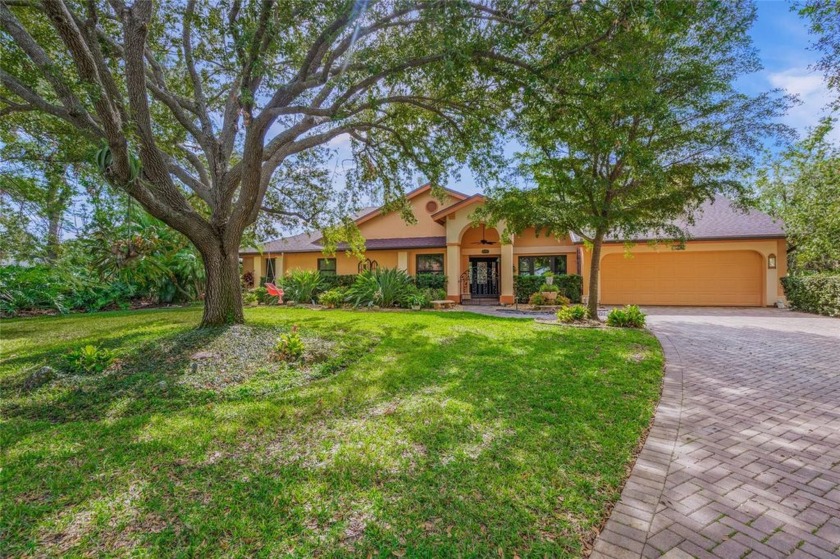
724, 278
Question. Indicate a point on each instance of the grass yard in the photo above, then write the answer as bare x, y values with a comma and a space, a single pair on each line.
401, 435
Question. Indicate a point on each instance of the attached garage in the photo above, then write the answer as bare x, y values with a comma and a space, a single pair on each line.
709, 278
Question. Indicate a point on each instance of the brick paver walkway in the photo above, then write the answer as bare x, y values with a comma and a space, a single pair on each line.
743, 459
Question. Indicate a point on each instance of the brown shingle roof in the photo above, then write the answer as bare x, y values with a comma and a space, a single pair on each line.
721, 219
311, 242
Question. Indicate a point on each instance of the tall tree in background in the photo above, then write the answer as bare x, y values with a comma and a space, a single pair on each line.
824, 17
197, 103
38, 181
802, 184
802, 187
641, 135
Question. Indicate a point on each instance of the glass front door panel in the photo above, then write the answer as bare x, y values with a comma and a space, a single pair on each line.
484, 277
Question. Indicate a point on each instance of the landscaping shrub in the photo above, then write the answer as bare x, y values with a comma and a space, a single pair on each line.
817, 293
110, 268
302, 286
88, 359
92, 298
549, 288
290, 346
250, 298
537, 300
433, 294
385, 287
331, 282
562, 301
333, 298
32, 288
430, 281
570, 286
63, 289
574, 313
263, 298
416, 299
628, 317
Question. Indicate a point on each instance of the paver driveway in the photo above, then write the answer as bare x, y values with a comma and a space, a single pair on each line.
743, 459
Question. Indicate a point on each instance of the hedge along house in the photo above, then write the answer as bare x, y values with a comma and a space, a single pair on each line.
732, 259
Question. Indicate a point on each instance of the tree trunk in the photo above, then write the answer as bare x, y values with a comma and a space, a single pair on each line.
53, 231
594, 274
223, 294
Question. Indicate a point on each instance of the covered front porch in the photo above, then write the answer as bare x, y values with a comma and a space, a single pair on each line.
480, 267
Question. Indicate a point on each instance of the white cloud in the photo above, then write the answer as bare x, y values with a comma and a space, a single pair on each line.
811, 89
340, 141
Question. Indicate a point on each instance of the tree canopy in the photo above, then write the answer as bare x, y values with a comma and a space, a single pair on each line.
642, 133
824, 19
196, 105
802, 187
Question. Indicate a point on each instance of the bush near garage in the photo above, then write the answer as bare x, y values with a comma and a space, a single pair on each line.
816, 293
630, 316
570, 285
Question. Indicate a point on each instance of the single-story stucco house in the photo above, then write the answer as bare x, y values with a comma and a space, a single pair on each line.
732, 258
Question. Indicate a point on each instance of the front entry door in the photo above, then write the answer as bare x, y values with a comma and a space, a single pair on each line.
484, 277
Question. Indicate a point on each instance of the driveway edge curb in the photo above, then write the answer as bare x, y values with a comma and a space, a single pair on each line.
625, 534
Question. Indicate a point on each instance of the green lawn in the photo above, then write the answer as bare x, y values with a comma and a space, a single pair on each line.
406, 434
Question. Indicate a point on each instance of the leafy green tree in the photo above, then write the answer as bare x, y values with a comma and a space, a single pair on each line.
802, 187
37, 181
824, 18
197, 104
641, 133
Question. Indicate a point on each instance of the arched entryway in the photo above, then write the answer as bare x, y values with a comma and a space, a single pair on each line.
481, 276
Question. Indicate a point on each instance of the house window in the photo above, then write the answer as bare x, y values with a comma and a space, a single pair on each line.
538, 265
327, 266
430, 263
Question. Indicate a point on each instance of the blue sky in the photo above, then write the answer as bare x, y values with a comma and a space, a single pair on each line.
783, 41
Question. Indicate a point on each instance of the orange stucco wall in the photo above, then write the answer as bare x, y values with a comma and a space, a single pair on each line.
473, 235
345, 264
530, 238
392, 225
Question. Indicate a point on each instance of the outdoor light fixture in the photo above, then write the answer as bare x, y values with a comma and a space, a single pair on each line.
771, 261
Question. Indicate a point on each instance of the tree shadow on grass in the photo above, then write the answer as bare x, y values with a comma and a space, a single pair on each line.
444, 441
134, 380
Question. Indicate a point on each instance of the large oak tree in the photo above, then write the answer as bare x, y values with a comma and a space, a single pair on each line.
197, 104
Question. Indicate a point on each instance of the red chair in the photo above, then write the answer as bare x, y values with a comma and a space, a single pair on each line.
274, 291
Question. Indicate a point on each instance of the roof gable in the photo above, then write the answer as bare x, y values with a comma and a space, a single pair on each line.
441, 215
377, 211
